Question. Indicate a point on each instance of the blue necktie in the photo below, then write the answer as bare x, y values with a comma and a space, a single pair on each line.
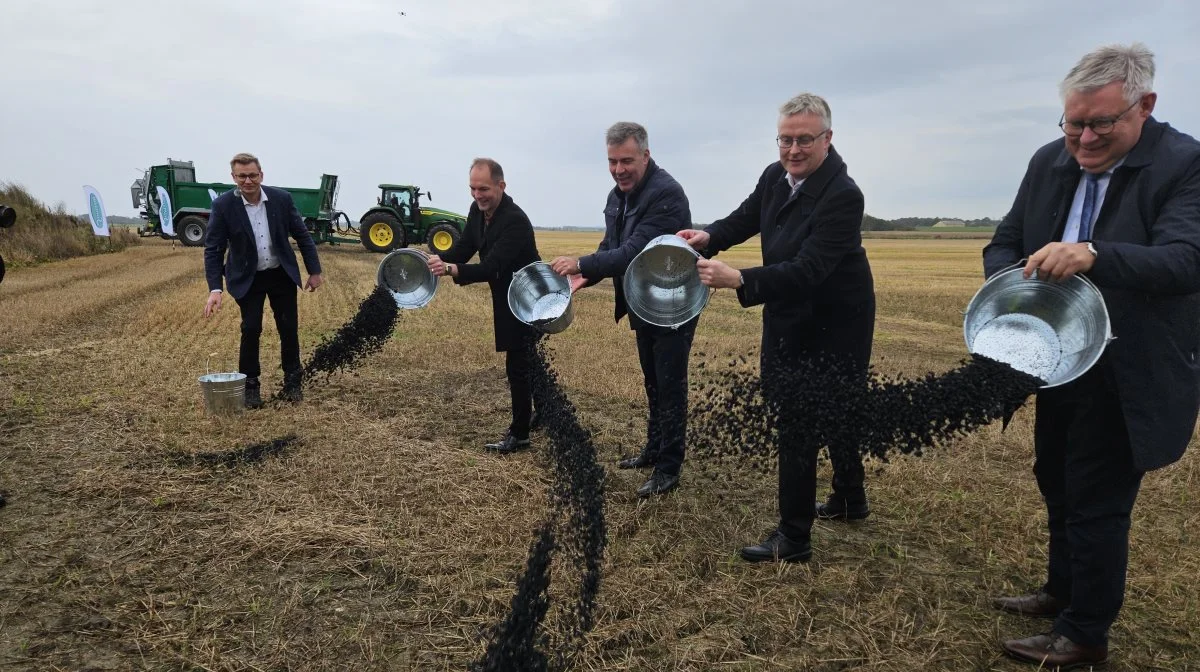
1089, 206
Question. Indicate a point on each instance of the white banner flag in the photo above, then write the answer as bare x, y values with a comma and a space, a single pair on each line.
212, 194
96, 210
165, 212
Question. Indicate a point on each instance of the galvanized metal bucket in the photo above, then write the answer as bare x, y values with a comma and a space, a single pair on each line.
541, 298
662, 285
1053, 330
404, 273
224, 393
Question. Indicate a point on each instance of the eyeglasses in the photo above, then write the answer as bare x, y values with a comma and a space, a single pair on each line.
801, 141
242, 177
1101, 126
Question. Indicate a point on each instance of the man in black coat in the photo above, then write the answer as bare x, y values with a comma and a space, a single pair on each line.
646, 203
253, 223
1117, 199
819, 298
498, 229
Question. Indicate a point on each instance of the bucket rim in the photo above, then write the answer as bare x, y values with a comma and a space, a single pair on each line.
236, 376
664, 240
396, 296
1083, 280
559, 323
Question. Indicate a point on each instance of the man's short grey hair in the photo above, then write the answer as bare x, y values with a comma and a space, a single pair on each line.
494, 168
621, 131
1133, 65
808, 103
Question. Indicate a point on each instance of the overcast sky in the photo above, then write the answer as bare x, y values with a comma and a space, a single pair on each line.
937, 106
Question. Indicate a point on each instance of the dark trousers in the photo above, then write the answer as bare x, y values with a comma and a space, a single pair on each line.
275, 284
1084, 468
517, 367
663, 354
843, 343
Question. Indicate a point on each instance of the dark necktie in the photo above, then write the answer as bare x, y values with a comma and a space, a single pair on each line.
1092, 181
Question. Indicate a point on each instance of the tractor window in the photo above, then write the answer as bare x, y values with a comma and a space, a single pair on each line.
401, 201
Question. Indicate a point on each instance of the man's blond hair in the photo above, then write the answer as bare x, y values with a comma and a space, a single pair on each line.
244, 158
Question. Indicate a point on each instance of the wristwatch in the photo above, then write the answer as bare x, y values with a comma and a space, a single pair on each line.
1091, 248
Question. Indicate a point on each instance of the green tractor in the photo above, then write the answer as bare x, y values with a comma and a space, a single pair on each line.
399, 220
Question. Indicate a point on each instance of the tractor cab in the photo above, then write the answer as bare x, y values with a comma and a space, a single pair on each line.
401, 200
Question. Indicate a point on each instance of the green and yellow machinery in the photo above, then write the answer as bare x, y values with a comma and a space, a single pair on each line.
399, 220
191, 203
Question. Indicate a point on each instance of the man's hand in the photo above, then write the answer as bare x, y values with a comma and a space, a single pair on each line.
1059, 261
577, 281
314, 281
718, 274
566, 265
436, 266
695, 237
213, 304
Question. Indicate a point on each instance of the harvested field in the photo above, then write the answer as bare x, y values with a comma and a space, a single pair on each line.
377, 535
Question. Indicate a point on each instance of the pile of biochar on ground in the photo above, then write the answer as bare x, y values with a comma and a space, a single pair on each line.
520, 641
249, 454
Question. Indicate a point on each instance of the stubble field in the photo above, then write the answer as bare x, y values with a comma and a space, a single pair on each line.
384, 538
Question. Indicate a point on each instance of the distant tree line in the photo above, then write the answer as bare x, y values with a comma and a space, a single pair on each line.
913, 223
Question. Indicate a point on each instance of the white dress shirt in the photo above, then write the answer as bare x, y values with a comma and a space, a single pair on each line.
793, 182
262, 231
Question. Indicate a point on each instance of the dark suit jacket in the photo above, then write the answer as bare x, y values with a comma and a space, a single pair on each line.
1147, 239
654, 208
229, 229
815, 279
505, 246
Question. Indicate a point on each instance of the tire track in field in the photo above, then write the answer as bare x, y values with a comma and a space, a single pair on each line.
92, 309
62, 275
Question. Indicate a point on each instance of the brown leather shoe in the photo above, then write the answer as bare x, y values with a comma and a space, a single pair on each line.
1040, 604
1054, 651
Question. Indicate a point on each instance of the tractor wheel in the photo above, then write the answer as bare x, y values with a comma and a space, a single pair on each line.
443, 237
381, 232
1, 269
190, 230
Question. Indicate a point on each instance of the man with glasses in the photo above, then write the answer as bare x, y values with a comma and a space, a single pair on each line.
819, 305
1117, 199
253, 223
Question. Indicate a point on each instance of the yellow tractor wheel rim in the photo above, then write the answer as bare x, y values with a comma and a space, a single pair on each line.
443, 241
381, 234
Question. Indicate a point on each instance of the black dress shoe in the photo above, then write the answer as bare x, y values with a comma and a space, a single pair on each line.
1052, 651
839, 508
778, 547
640, 462
509, 444
291, 387
1040, 604
253, 393
660, 483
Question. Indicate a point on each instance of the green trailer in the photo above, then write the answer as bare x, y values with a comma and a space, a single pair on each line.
398, 219
191, 203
